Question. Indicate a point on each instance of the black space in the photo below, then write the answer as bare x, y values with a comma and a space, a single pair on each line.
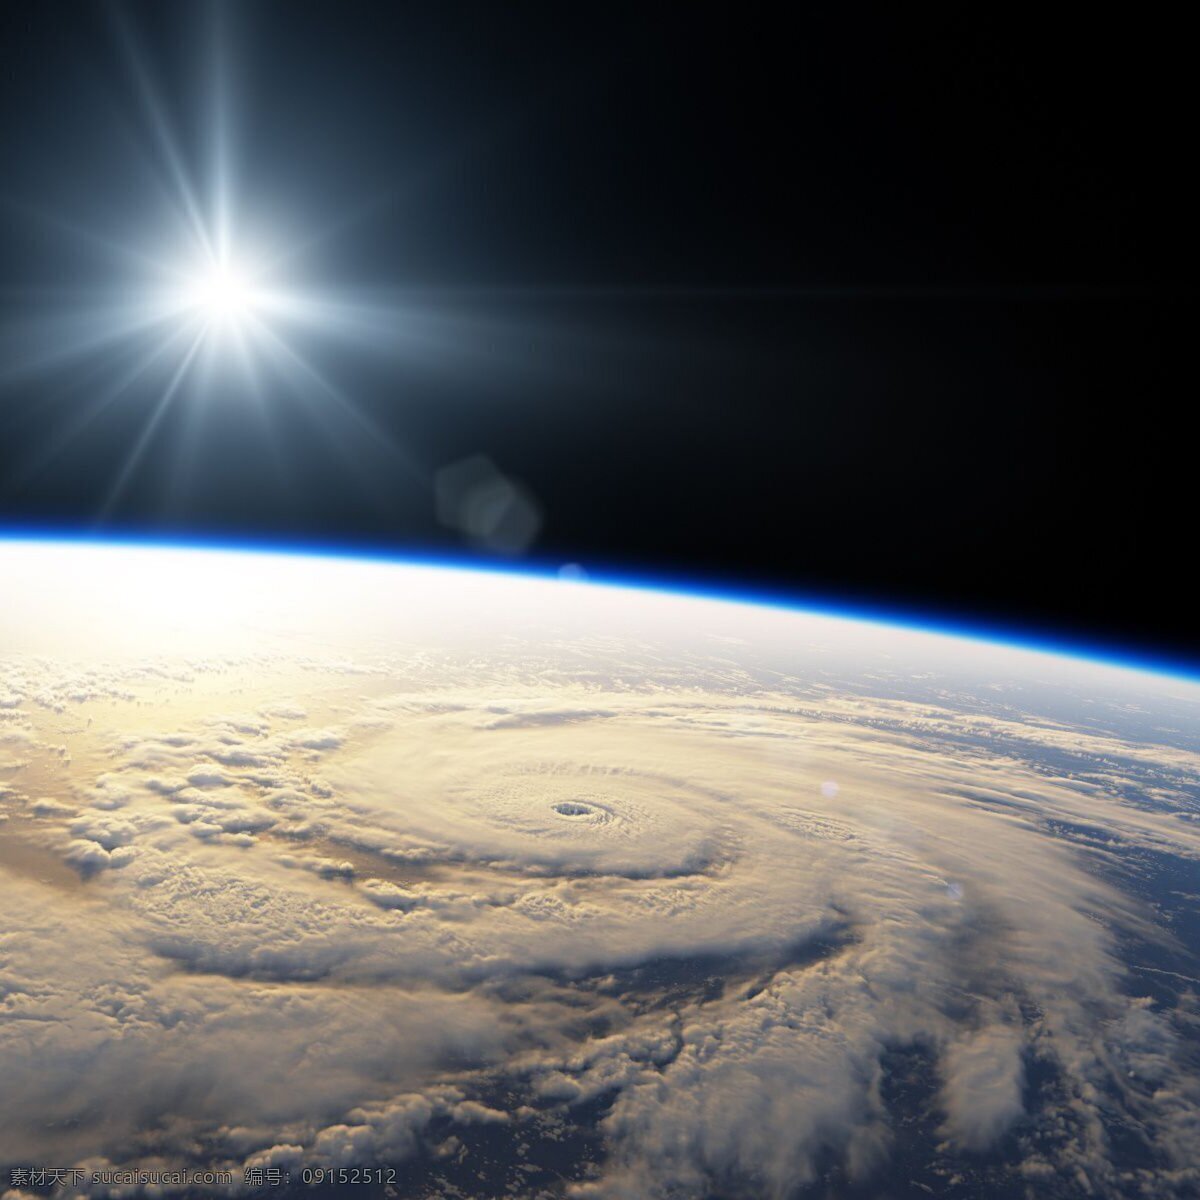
886, 304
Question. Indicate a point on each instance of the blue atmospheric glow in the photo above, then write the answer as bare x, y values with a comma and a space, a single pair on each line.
897, 616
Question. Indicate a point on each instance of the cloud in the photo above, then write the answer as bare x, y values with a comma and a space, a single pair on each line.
90, 856
109, 832
982, 1092
45, 807
316, 739
208, 779
547, 716
252, 725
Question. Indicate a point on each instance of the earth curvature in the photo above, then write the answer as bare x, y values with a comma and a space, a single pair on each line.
350, 877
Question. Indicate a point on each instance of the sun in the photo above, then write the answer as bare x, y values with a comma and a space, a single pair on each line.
223, 295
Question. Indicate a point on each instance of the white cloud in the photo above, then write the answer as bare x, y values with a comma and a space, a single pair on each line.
982, 1093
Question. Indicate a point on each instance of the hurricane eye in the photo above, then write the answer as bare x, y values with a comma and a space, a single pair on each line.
573, 808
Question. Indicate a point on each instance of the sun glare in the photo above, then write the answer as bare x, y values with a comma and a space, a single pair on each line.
223, 295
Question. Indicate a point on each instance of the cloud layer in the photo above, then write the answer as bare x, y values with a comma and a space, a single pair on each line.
554, 889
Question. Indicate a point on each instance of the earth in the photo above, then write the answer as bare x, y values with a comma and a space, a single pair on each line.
334, 877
